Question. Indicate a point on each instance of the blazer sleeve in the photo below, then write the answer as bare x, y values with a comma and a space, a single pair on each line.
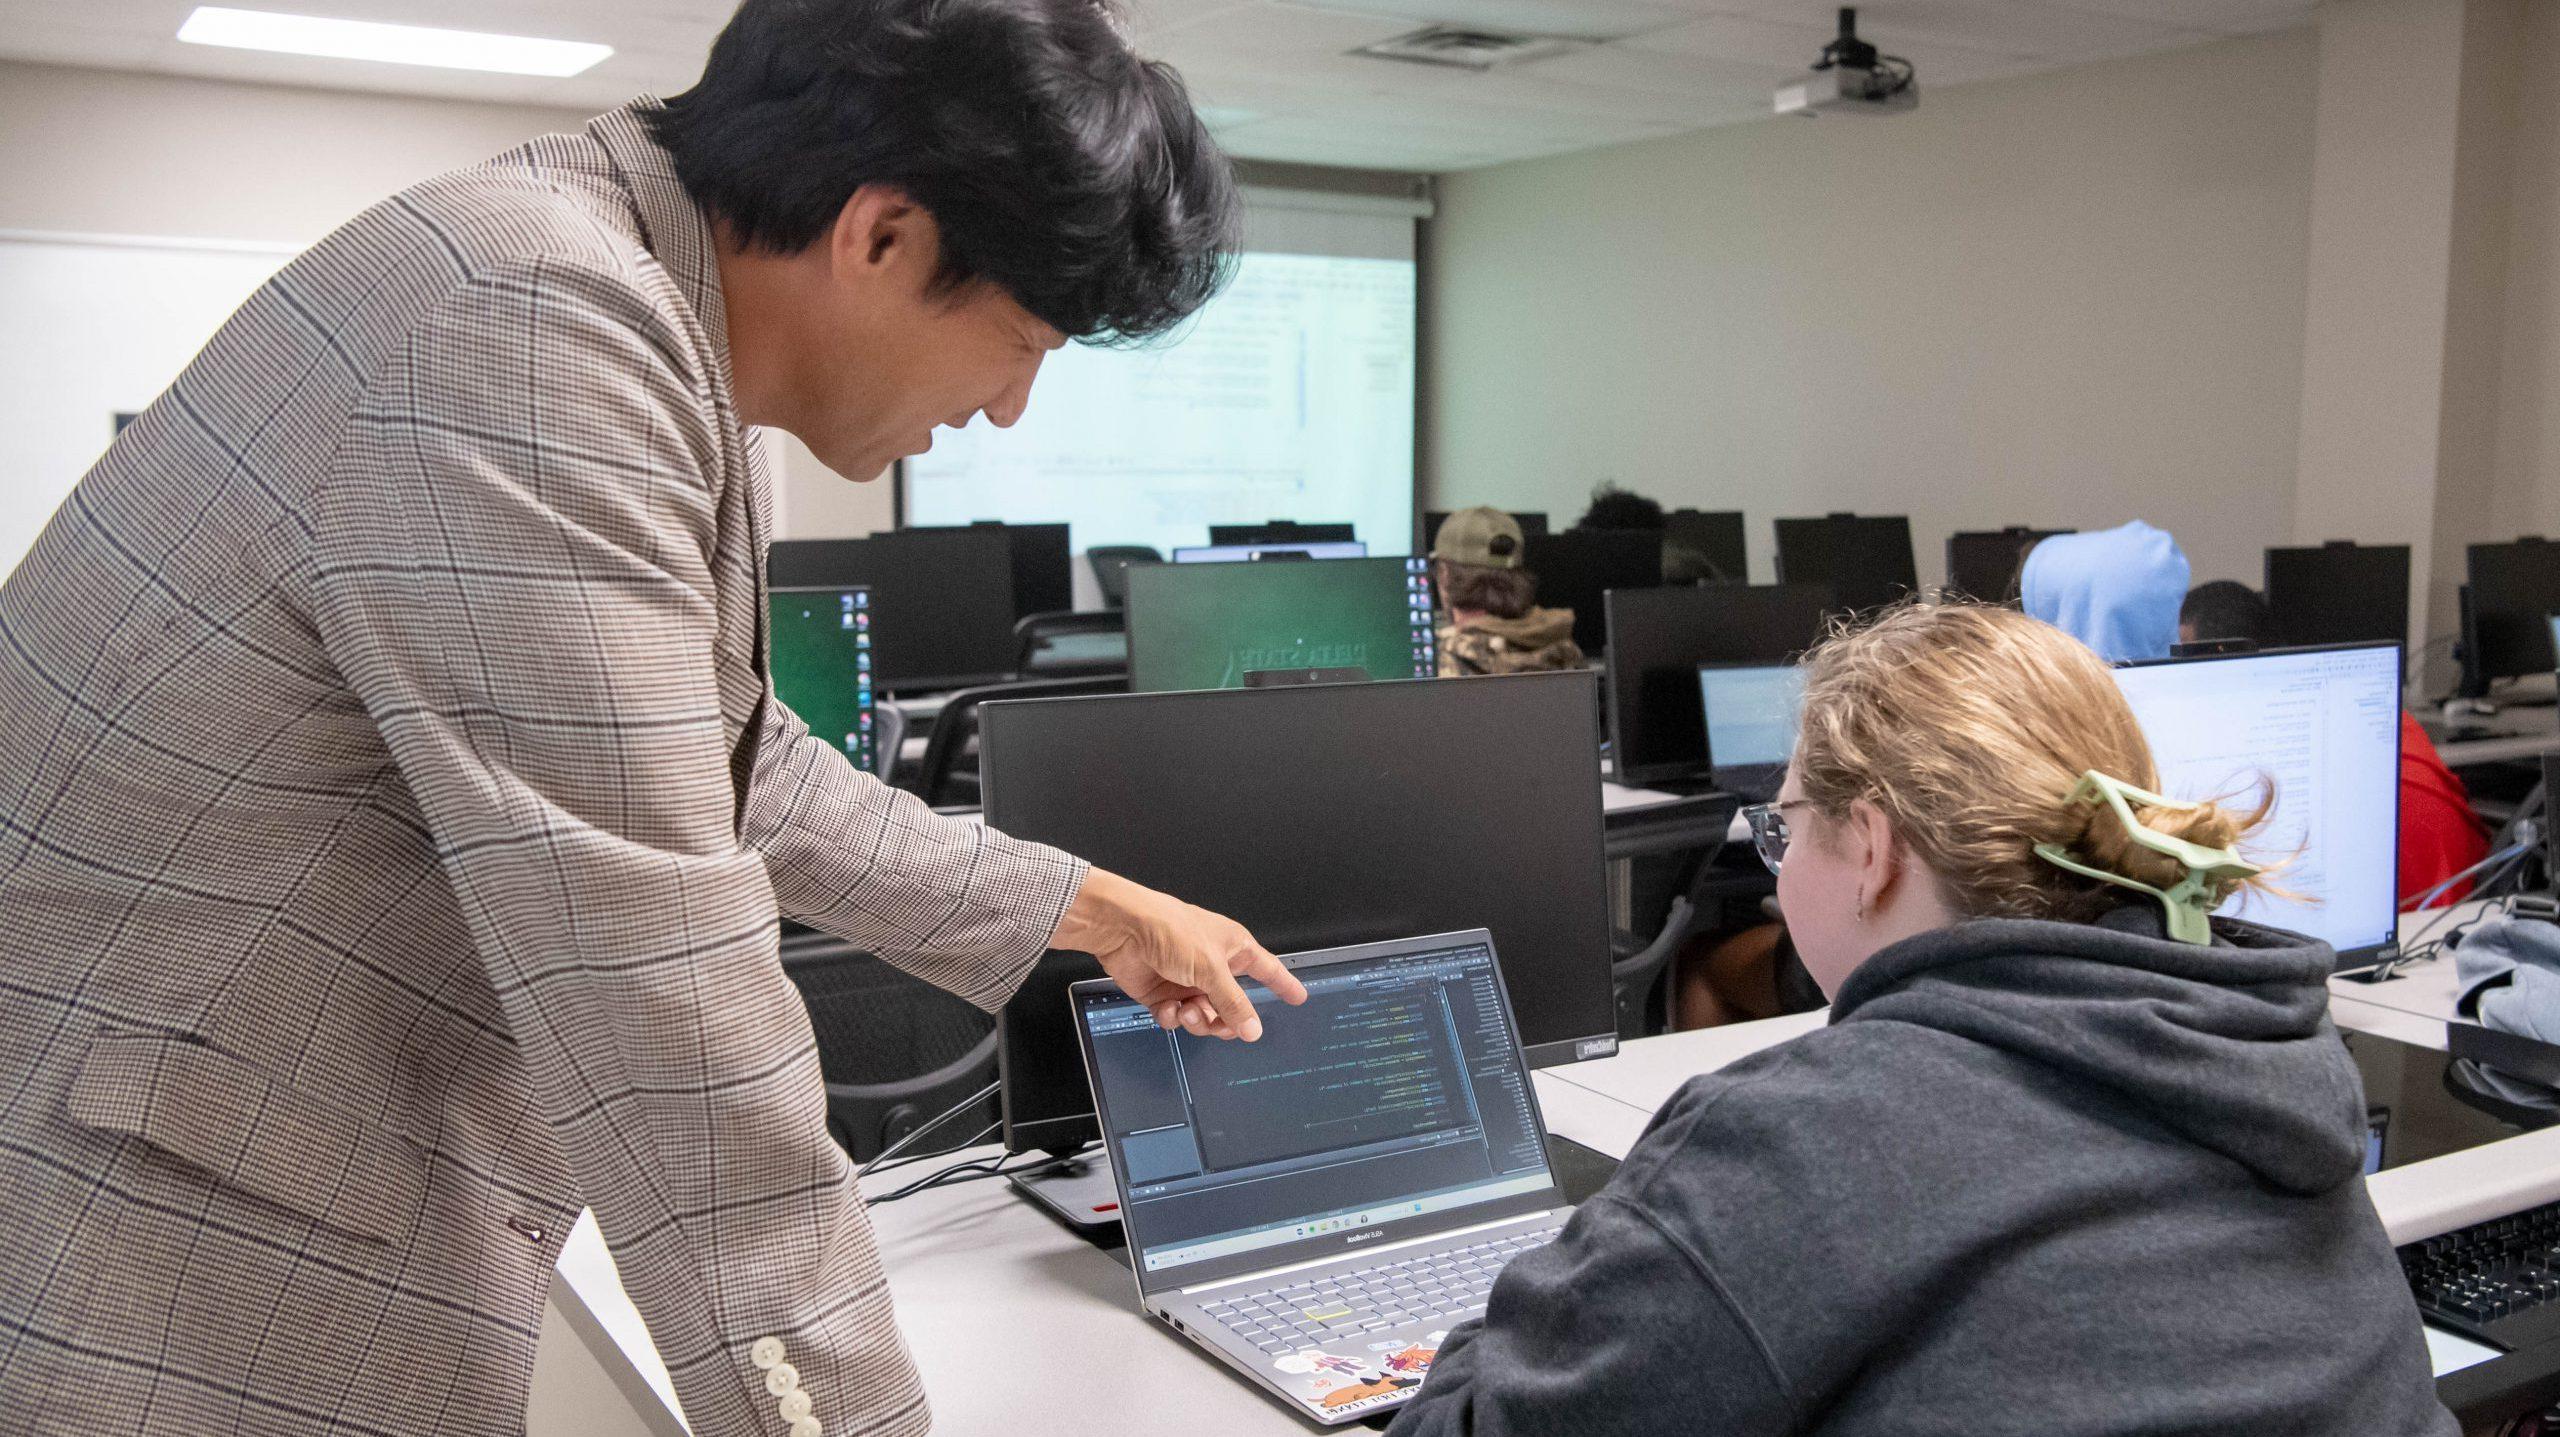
953, 902
511, 575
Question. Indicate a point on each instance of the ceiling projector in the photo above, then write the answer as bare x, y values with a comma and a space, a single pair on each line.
1850, 78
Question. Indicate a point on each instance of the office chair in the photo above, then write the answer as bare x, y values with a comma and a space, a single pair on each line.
1071, 645
888, 735
1111, 568
893, 1050
937, 779
1690, 832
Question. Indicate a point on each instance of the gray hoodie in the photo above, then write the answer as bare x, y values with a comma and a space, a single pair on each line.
2035, 1178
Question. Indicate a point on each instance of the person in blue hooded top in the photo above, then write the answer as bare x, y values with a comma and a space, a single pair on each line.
2116, 590
2072, 1159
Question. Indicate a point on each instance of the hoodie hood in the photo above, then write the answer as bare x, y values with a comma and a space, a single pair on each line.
2229, 1046
2116, 590
1530, 632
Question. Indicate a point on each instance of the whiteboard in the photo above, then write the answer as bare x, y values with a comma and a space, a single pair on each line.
92, 326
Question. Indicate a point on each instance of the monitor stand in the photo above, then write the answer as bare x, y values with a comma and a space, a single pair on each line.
1077, 1192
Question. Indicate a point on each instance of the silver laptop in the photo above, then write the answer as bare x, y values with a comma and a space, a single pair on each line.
1319, 1208
1751, 725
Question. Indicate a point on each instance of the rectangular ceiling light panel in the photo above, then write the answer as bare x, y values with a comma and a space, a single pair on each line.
390, 44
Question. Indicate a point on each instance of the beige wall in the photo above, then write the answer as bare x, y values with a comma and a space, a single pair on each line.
2527, 497
2070, 299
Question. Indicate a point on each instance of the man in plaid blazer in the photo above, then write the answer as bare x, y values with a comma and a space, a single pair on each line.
394, 812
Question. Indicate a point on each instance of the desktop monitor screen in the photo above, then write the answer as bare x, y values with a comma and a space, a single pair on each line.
1577, 569
2515, 588
1207, 626
1241, 553
2338, 594
1043, 566
2324, 726
1281, 531
944, 598
1656, 640
821, 647
1984, 565
1532, 522
1319, 817
1866, 559
1711, 543
1751, 712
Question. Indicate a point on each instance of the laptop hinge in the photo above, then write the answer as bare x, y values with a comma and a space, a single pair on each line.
1364, 1253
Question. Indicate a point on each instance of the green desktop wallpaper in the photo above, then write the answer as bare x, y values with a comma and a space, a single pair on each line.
1205, 626
821, 646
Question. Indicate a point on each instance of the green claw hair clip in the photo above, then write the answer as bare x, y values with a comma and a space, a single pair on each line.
2190, 901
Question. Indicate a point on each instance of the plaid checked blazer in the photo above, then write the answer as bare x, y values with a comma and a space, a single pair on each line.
394, 816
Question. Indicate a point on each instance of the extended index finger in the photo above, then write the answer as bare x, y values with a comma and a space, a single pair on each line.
1273, 974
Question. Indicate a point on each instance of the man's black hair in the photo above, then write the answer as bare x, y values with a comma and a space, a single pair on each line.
2226, 609
1615, 508
1058, 165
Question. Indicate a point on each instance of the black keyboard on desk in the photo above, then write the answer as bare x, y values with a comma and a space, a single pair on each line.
2498, 1280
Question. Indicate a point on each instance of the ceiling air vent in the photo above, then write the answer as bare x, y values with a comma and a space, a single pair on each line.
1464, 47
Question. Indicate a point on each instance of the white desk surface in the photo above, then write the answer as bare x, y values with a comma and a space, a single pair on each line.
1009, 1316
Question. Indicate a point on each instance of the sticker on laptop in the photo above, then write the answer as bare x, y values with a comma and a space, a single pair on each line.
1380, 1377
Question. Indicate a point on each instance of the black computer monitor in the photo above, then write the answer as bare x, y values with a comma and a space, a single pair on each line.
1279, 531
1712, 538
2338, 593
1319, 817
1656, 640
1577, 568
1212, 626
1043, 565
1247, 553
1984, 564
1532, 522
944, 598
2513, 591
2324, 725
1865, 558
821, 654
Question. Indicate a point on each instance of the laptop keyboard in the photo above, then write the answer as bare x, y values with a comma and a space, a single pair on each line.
1448, 1287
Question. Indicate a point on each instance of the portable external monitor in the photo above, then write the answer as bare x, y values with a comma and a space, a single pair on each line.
1713, 538
821, 648
943, 597
2338, 593
2513, 591
1215, 626
1985, 564
1319, 817
1866, 559
1657, 638
1239, 553
2323, 725
1751, 713
1578, 568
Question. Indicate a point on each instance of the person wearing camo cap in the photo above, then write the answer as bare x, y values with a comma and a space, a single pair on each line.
1490, 619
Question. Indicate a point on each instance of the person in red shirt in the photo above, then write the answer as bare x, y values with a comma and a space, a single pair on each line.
2440, 835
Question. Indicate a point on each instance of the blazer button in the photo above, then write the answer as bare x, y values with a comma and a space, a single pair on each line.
780, 1378
808, 1427
767, 1353
794, 1405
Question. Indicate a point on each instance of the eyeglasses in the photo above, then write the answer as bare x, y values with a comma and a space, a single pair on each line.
1769, 834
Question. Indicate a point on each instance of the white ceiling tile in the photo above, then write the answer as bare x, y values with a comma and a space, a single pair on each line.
1579, 19
2224, 17
2008, 27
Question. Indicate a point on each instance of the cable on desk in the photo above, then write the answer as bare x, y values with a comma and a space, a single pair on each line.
937, 1120
974, 1170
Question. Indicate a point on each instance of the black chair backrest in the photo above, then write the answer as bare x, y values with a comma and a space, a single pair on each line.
1111, 568
1046, 645
958, 723
894, 1050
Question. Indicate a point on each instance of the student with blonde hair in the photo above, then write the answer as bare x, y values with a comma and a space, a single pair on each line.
2072, 1157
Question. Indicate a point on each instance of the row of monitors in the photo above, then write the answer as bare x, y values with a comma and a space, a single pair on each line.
1340, 814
